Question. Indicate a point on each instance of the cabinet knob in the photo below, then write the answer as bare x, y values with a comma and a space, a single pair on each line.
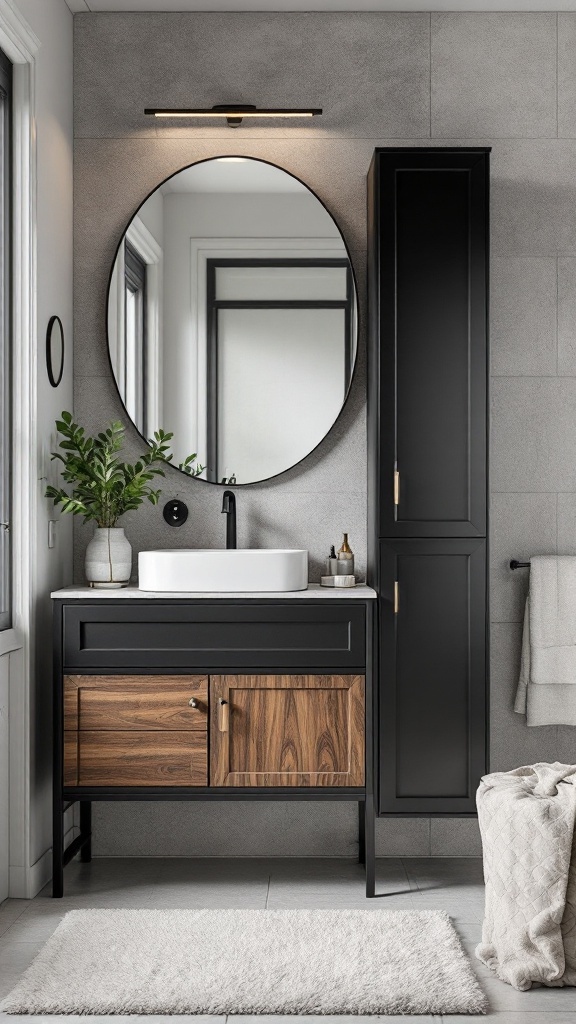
193, 703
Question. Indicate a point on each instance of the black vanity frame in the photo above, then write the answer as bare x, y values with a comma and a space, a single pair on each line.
104, 636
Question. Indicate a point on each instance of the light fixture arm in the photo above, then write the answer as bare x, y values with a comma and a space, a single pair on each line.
226, 108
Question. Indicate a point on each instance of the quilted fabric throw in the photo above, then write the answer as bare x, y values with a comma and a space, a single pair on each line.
527, 819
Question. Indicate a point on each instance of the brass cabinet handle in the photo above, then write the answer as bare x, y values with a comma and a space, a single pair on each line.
223, 715
193, 703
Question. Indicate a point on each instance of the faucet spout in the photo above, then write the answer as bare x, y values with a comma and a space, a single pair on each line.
229, 509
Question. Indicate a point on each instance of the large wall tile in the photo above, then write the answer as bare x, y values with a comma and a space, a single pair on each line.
512, 742
402, 837
567, 316
567, 524
521, 525
370, 74
455, 837
533, 197
533, 434
567, 74
493, 74
523, 316
216, 829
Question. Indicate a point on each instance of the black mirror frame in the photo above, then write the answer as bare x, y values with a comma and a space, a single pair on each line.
264, 480
52, 377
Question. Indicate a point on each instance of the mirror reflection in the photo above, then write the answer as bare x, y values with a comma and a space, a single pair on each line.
232, 319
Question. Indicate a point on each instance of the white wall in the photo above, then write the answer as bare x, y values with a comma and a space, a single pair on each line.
51, 21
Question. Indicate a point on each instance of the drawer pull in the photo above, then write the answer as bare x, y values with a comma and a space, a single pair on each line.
223, 715
193, 703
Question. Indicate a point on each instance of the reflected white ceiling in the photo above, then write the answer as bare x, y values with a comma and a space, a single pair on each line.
232, 175
78, 6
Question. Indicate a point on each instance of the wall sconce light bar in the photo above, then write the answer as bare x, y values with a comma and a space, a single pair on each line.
233, 113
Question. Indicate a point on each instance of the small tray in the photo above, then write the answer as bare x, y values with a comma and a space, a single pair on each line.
337, 581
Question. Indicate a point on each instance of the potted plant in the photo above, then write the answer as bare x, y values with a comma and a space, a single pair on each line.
103, 489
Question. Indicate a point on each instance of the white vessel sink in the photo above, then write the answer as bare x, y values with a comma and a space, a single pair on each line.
243, 570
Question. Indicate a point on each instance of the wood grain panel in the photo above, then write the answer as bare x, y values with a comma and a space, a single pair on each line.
288, 731
135, 702
70, 758
142, 759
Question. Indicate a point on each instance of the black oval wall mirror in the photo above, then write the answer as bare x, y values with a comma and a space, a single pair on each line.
55, 350
232, 319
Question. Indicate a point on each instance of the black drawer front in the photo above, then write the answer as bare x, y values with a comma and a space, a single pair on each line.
214, 637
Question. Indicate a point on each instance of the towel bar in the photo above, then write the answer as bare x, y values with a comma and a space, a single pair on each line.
515, 564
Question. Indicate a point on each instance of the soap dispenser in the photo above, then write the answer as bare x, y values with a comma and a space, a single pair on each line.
345, 564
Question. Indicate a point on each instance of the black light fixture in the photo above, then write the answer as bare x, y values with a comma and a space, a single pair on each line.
233, 112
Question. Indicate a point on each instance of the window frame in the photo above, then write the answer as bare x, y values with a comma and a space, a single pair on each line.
6, 345
135, 280
214, 305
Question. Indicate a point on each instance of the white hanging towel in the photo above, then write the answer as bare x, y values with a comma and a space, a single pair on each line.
547, 686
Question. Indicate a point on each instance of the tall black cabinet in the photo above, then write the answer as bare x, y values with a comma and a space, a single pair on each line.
427, 415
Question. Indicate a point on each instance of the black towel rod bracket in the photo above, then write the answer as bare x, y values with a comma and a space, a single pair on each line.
515, 564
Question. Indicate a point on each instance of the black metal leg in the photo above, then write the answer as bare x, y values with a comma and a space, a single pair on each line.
361, 832
86, 830
57, 844
370, 846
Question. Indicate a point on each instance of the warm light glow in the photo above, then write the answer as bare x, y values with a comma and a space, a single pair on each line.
234, 113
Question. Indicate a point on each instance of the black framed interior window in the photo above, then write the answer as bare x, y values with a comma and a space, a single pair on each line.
6, 397
135, 333
261, 285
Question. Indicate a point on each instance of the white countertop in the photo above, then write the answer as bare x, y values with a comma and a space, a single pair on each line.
134, 594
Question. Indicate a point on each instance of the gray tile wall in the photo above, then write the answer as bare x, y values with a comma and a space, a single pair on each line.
505, 80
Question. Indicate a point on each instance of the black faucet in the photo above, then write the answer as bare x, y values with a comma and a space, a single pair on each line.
229, 507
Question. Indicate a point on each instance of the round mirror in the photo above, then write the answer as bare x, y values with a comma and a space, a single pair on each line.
232, 319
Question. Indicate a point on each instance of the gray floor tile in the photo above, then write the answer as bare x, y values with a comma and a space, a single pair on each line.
327, 1019
10, 911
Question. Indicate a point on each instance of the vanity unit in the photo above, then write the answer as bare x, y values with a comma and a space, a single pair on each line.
212, 697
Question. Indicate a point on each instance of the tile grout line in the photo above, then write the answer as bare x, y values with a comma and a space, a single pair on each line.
557, 309
430, 62
557, 75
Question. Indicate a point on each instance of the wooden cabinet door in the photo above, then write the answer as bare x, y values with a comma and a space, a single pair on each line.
432, 691
287, 730
126, 730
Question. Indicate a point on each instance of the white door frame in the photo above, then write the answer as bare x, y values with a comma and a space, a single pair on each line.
21, 45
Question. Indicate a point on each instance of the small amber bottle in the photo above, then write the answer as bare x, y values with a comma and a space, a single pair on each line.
345, 558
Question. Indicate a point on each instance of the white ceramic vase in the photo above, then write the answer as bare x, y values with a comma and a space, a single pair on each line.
108, 559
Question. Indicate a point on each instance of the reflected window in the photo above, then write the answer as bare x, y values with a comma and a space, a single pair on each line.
135, 337
279, 362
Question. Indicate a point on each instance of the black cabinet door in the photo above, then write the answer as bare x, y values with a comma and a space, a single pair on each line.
432, 675
428, 275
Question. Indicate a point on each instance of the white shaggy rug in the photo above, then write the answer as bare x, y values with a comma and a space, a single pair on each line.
250, 962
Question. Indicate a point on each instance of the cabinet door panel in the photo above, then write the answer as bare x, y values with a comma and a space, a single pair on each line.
429, 346
135, 702
142, 759
432, 675
287, 730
